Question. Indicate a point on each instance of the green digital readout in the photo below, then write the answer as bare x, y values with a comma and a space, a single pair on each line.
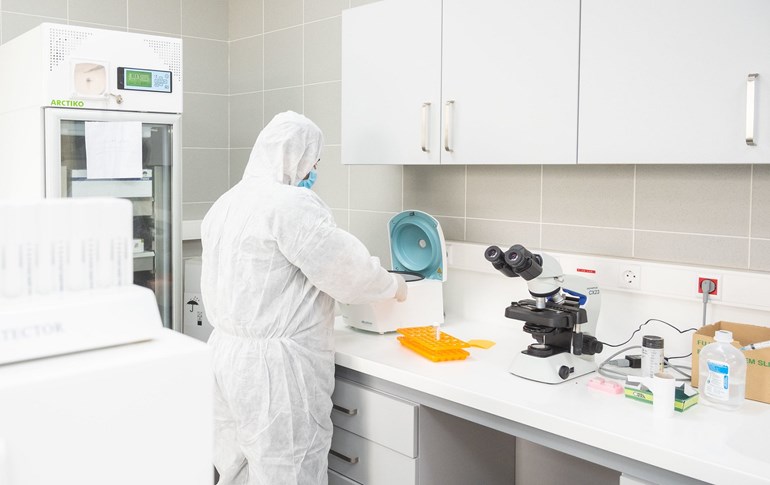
138, 79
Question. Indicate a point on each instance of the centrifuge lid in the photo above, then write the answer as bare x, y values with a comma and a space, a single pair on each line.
417, 244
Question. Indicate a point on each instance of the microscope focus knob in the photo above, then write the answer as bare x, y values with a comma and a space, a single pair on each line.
564, 372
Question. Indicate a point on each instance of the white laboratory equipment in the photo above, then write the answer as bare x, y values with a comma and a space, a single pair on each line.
123, 415
65, 288
418, 253
93, 389
194, 320
96, 113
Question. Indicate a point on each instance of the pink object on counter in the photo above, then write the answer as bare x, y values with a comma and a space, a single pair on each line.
600, 384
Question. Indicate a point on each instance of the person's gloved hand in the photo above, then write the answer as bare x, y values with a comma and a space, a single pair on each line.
402, 289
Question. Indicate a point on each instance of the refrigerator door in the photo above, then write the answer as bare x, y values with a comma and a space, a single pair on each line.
141, 163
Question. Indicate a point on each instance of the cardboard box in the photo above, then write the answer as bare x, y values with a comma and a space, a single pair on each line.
685, 396
758, 361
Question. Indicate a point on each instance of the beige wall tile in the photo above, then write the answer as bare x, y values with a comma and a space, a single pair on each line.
205, 65
728, 252
245, 119
760, 202
376, 187
372, 229
589, 195
332, 183
280, 14
321, 9
109, 12
48, 8
281, 100
452, 227
437, 190
323, 51
195, 211
323, 106
509, 192
358, 3
283, 58
587, 240
245, 18
204, 18
239, 157
246, 65
502, 233
341, 218
205, 120
704, 199
760, 254
155, 16
13, 25
206, 174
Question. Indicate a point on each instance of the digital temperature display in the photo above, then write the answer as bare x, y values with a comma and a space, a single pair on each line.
144, 80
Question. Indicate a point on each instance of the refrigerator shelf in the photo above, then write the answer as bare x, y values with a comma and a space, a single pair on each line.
144, 261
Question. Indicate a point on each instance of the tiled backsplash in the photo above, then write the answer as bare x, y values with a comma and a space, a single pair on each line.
285, 54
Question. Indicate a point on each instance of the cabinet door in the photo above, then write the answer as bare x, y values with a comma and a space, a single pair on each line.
666, 82
391, 81
510, 67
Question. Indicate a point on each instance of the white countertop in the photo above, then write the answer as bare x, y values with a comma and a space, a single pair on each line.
703, 443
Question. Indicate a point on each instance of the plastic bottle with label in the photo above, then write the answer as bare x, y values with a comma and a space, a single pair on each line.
722, 373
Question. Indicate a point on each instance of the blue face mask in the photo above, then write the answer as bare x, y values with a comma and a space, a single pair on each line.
309, 181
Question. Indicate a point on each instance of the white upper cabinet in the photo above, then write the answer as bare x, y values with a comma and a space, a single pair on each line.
499, 86
671, 82
510, 74
391, 82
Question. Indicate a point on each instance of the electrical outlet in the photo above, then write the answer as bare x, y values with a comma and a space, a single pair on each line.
630, 277
714, 294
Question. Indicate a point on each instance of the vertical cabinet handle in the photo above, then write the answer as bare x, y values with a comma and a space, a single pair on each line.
425, 133
448, 112
342, 457
349, 412
751, 91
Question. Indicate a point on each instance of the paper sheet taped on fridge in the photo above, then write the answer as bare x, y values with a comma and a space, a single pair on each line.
113, 149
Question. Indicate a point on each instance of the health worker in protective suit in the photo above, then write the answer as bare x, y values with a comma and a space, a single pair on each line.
273, 264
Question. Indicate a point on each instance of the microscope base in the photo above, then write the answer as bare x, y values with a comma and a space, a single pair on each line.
551, 369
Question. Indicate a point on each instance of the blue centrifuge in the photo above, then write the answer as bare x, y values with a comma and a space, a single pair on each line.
418, 253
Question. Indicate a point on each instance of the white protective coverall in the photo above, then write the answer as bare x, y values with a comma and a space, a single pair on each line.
273, 263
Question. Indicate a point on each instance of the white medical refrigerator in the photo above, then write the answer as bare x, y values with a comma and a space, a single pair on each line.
87, 112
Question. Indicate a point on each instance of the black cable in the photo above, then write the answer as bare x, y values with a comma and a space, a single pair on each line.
678, 356
645, 323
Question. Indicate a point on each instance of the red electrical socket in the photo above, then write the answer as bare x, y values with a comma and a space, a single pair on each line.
715, 291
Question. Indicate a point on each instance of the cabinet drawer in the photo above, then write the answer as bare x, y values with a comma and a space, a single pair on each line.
369, 463
337, 479
378, 417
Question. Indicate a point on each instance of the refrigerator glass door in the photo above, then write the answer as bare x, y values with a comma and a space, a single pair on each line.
152, 188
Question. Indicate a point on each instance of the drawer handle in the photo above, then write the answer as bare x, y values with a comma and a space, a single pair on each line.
349, 412
751, 89
342, 457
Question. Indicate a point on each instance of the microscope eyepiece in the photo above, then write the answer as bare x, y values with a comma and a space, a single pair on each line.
523, 262
496, 256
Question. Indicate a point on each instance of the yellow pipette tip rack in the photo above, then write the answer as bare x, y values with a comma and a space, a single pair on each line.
423, 341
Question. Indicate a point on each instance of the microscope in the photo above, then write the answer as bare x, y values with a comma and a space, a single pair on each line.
561, 317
